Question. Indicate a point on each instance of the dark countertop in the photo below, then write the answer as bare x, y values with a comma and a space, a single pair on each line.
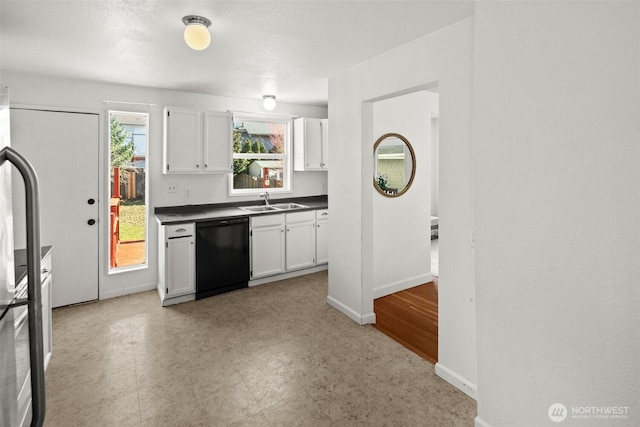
198, 213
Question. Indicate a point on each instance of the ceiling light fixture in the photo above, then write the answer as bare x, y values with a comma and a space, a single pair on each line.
269, 102
196, 34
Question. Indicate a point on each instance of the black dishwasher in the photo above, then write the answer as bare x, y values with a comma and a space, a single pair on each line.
222, 256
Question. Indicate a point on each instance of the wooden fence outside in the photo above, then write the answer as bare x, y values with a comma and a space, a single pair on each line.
248, 181
134, 186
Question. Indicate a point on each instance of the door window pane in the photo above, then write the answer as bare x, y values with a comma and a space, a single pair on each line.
128, 195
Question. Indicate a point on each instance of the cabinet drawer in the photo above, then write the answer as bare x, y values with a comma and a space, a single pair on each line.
322, 214
267, 220
179, 230
300, 216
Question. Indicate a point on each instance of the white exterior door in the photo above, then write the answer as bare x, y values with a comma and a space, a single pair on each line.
63, 149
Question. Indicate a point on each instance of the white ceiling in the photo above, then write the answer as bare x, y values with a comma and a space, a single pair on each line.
288, 48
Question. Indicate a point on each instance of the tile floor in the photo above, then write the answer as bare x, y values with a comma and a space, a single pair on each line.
272, 355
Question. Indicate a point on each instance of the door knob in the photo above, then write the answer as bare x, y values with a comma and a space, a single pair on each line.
91, 201
91, 221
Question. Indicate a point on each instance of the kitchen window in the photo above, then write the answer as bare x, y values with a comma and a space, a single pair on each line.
261, 155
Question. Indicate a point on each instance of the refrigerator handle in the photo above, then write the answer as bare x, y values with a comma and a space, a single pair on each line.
34, 304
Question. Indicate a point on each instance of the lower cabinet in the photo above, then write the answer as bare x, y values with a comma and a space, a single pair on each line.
47, 280
300, 240
267, 245
288, 241
322, 236
177, 260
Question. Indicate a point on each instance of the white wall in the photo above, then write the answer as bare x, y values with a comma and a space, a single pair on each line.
43, 91
401, 226
557, 209
435, 166
444, 59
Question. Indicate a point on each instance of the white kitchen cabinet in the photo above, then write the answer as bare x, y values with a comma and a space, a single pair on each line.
177, 260
196, 141
322, 236
300, 240
182, 140
218, 135
47, 280
310, 149
267, 245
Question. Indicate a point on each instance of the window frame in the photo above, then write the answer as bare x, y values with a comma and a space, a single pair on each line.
287, 156
144, 265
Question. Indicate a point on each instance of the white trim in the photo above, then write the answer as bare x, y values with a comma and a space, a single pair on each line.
147, 191
127, 291
457, 380
368, 319
288, 275
177, 300
351, 314
401, 285
141, 104
479, 422
128, 268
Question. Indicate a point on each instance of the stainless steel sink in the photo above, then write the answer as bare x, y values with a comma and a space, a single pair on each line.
260, 208
273, 208
288, 206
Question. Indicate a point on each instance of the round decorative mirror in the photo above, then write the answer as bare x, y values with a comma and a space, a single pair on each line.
394, 165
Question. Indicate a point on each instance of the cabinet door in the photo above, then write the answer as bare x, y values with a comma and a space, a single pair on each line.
301, 245
182, 141
324, 127
181, 266
217, 142
46, 319
322, 242
267, 250
307, 138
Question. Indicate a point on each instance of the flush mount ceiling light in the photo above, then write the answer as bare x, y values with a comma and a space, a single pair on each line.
196, 34
269, 102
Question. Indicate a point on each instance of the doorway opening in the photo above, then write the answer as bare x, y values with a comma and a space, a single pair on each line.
411, 315
128, 207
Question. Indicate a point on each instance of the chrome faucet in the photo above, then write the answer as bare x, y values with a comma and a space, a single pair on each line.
265, 196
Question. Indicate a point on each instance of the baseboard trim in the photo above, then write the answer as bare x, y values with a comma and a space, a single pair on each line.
401, 285
456, 380
127, 291
288, 275
479, 422
350, 313
179, 299
368, 319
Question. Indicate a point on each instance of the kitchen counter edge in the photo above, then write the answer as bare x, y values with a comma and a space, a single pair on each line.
199, 213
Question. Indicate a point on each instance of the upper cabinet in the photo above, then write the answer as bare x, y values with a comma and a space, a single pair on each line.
310, 139
196, 141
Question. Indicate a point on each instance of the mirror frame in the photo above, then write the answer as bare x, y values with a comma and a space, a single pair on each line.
413, 164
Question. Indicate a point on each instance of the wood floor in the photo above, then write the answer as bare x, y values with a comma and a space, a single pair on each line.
130, 253
411, 318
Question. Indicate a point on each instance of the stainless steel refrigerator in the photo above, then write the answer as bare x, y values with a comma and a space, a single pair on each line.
22, 388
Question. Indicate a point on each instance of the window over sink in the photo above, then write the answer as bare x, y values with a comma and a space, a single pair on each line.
261, 155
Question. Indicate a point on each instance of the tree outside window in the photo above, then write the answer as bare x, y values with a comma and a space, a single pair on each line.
259, 155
